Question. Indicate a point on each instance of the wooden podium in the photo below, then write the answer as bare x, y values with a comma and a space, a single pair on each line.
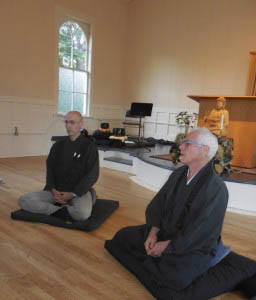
242, 125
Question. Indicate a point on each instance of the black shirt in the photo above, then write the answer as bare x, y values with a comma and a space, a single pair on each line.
72, 166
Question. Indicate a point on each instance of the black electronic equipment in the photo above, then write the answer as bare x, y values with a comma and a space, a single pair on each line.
118, 132
104, 125
141, 109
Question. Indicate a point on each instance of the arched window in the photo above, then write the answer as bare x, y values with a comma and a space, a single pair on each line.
74, 67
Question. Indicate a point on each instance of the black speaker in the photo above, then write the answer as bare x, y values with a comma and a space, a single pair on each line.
118, 131
104, 125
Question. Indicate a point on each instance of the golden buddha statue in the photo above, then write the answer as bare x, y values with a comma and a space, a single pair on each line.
217, 120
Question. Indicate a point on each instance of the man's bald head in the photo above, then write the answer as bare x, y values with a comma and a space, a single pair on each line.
75, 114
74, 122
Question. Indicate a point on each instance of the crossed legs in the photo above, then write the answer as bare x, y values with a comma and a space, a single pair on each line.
79, 208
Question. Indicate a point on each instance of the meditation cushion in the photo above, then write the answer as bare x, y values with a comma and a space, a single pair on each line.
100, 212
222, 251
249, 287
221, 278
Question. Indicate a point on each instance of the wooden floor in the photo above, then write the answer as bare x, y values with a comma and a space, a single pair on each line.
44, 262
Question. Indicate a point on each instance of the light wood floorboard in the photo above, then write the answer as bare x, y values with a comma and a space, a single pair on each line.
45, 262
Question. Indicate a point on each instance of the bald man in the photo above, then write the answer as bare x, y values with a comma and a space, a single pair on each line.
72, 170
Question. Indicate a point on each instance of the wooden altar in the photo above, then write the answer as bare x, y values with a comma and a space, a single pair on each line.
242, 125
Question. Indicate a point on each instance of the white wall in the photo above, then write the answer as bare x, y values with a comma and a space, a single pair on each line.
143, 50
28, 72
176, 48
37, 122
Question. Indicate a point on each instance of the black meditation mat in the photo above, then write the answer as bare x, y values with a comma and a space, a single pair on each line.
100, 212
249, 287
233, 270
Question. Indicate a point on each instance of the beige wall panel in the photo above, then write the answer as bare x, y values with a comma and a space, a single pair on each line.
28, 52
29, 70
5, 117
26, 57
176, 48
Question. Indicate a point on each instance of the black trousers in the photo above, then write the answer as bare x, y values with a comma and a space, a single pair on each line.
169, 270
132, 239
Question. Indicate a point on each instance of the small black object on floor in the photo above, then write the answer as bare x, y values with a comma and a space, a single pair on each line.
101, 211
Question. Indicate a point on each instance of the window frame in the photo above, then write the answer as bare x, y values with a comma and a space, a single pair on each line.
87, 29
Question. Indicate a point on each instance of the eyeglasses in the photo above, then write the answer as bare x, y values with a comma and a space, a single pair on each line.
71, 122
189, 142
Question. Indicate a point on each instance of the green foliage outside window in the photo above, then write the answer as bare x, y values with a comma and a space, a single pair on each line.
72, 46
73, 68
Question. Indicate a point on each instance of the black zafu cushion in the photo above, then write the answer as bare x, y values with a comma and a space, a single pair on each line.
100, 212
249, 287
223, 277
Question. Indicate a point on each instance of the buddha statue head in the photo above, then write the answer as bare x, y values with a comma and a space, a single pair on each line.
220, 103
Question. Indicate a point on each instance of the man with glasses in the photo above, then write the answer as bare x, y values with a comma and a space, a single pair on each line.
72, 170
183, 221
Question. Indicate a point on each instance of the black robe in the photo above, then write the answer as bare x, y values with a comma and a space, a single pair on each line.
72, 166
191, 216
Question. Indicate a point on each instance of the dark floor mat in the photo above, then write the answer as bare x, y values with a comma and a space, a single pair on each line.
223, 277
101, 211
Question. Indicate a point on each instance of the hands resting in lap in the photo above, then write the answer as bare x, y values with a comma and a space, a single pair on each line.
152, 246
61, 197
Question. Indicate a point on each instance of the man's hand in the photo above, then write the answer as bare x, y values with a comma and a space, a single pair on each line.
158, 248
66, 196
57, 196
151, 239
61, 197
